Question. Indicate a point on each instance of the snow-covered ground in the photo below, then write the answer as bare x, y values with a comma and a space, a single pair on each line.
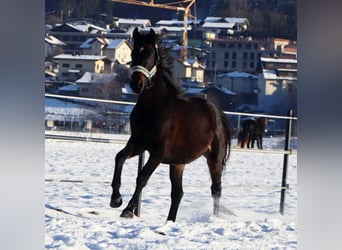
78, 216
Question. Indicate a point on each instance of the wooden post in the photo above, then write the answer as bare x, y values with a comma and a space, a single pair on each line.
284, 185
140, 166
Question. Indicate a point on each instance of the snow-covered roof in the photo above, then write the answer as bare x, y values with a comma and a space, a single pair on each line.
86, 27
237, 74
214, 19
80, 57
109, 43
218, 25
53, 40
114, 43
135, 21
222, 89
192, 62
90, 77
278, 60
172, 28
239, 20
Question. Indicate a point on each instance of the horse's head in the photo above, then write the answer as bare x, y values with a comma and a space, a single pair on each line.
144, 60
263, 123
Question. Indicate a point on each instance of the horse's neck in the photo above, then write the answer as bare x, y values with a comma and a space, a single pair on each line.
157, 95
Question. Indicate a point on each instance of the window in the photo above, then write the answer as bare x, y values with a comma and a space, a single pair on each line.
234, 55
231, 45
226, 55
233, 64
251, 56
65, 65
251, 65
226, 64
78, 66
245, 56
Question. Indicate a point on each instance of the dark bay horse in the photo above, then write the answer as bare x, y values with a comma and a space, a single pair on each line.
174, 129
252, 130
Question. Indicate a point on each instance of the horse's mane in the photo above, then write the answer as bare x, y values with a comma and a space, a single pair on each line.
167, 65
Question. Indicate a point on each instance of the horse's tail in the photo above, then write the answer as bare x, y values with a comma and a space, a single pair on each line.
228, 134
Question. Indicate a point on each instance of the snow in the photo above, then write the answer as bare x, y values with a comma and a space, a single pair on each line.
78, 216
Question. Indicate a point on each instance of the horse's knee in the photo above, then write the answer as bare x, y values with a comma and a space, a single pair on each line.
216, 190
177, 194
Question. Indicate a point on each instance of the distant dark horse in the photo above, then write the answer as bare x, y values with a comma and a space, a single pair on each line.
252, 130
174, 129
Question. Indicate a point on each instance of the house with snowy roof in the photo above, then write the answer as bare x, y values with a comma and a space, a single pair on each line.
190, 69
115, 49
278, 84
72, 67
244, 84
74, 34
53, 46
213, 27
102, 86
131, 23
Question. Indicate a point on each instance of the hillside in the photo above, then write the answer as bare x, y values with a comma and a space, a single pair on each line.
268, 18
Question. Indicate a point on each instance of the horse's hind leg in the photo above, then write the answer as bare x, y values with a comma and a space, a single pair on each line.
176, 176
128, 151
215, 168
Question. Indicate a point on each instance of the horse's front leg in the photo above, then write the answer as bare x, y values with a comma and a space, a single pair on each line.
127, 152
176, 176
142, 179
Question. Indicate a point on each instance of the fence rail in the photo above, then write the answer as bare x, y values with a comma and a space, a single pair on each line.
133, 103
286, 152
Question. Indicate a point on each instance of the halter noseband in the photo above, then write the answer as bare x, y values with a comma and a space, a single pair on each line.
149, 74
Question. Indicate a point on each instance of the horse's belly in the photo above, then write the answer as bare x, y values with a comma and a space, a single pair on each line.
183, 155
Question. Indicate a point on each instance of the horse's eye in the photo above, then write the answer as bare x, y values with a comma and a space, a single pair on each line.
141, 49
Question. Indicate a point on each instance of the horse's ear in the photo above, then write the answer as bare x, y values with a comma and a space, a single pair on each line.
153, 35
135, 33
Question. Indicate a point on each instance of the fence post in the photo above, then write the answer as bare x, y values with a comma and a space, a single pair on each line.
140, 166
284, 185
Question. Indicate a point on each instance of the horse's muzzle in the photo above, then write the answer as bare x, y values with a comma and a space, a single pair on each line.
138, 83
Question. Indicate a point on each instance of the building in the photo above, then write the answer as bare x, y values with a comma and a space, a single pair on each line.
237, 54
216, 27
245, 86
115, 49
190, 69
72, 67
278, 84
53, 46
130, 23
102, 86
73, 35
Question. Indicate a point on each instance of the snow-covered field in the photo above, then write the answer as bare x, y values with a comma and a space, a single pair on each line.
78, 216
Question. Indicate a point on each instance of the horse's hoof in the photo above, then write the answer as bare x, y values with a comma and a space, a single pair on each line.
127, 214
114, 203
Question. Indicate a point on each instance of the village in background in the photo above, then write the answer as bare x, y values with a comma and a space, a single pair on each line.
223, 62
